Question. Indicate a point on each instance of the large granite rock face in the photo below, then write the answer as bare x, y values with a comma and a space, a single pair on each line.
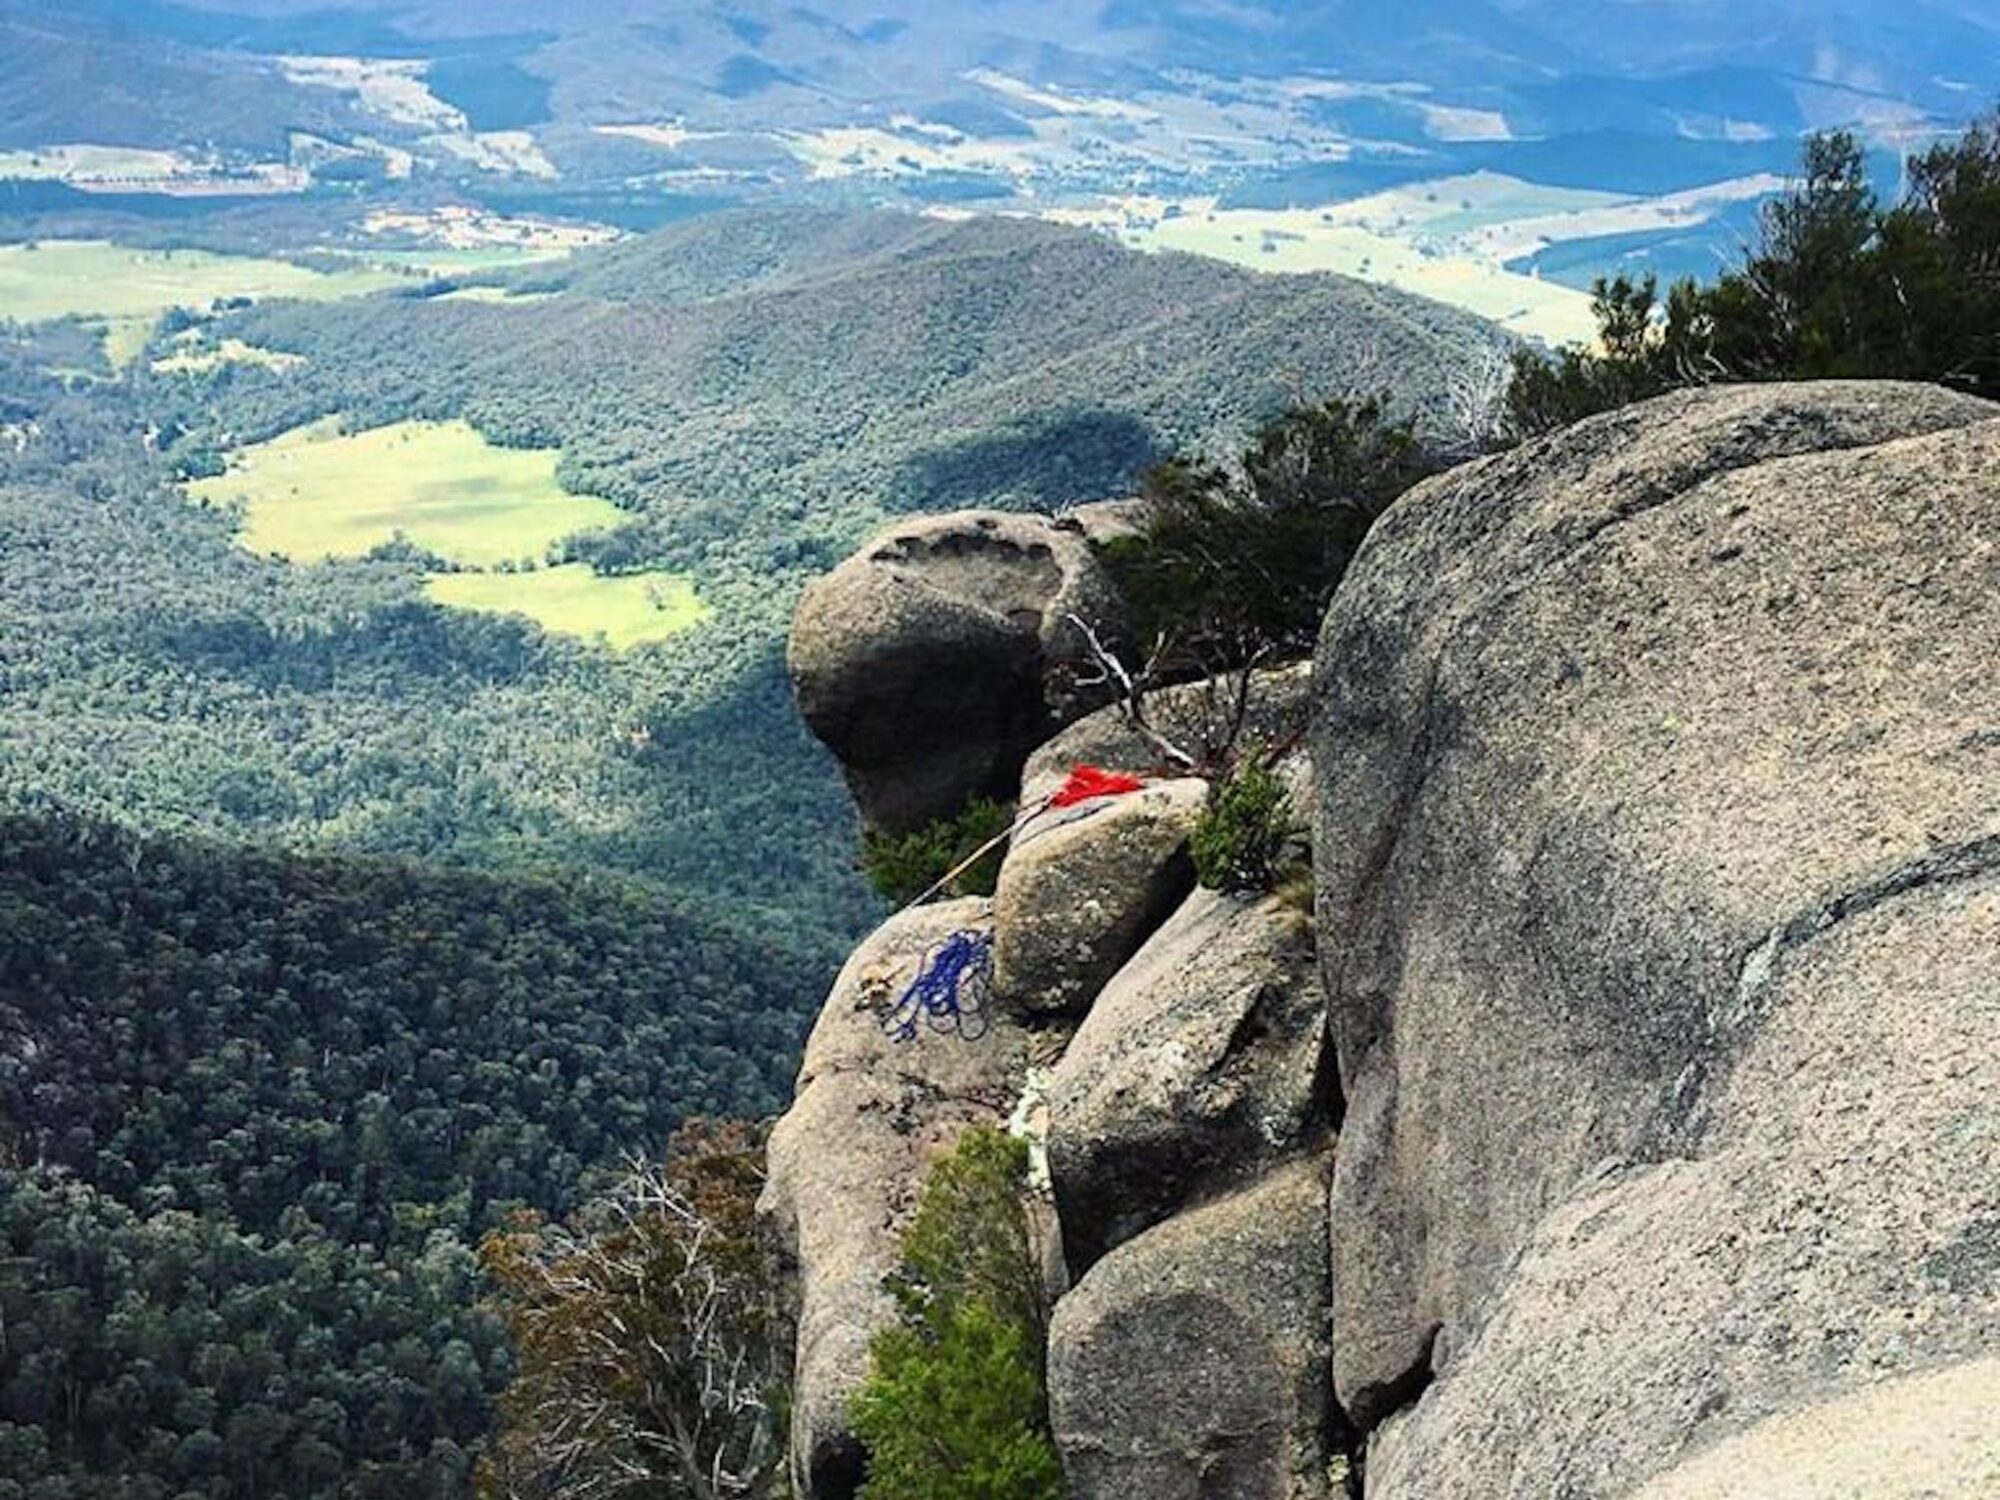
1083, 887
933, 660
1658, 850
1202, 1064
1190, 1364
846, 1163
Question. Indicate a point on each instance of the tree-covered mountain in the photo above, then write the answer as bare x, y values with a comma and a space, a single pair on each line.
1033, 102
755, 393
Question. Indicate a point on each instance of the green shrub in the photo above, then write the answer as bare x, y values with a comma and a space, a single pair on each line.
954, 1407
903, 867
1236, 565
1239, 843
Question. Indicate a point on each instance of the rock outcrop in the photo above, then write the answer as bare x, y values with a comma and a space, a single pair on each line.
1202, 1065
1190, 1364
937, 657
1659, 903
846, 1162
1653, 987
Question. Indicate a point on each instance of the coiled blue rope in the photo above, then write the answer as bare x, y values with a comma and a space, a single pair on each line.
953, 990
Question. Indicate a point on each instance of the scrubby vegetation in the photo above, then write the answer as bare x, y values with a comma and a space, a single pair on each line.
653, 1360
255, 1110
954, 1407
903, 867
1240, 842
1839, 284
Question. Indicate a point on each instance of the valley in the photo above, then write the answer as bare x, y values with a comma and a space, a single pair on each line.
1282, 143
403, 809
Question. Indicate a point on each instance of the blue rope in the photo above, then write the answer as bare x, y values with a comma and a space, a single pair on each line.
952, 990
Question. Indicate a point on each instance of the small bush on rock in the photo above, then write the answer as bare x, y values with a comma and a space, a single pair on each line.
954, 1407
1239, 843
1237, 565
903, 867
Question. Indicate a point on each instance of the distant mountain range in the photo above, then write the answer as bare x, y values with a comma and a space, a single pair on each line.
1125, 114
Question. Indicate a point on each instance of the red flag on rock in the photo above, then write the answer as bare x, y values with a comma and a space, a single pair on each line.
1086, 782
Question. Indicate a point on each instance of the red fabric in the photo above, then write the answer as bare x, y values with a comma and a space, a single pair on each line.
1086, 782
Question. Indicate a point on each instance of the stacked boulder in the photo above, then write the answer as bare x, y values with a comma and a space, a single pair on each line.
1174, 1037
933, 660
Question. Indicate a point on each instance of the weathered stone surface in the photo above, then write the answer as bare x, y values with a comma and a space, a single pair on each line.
1275, 716
846, 1162
933, 660
1104, 521
1083, 887
1190, 1364
1202, 1063
1659, 816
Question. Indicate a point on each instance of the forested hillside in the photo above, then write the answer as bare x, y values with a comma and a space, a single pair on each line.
255, 1113
335, 923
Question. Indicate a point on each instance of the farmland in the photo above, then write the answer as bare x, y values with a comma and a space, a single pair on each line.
626, 611
319, 492
124, 290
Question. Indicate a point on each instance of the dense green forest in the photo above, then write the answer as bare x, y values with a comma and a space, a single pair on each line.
256, 1110
352, 949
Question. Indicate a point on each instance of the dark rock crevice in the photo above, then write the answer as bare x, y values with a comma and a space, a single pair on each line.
1948, 866
1369, 1406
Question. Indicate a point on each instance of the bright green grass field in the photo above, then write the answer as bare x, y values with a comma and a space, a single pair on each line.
130, 288
316, 492
626, 611
92, 278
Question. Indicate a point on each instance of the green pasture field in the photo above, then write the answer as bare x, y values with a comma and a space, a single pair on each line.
94, 278
318, 492
628, 610
127, 289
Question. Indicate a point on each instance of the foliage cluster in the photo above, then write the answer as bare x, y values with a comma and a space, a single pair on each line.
1838, 285
955, 1407
1235, 566
653, 1359
156, 1351
901, 867
1239, 842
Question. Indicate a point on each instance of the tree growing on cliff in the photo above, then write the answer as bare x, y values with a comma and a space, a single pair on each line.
652, 1355
955, 1407
1236, 566
1836, 286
